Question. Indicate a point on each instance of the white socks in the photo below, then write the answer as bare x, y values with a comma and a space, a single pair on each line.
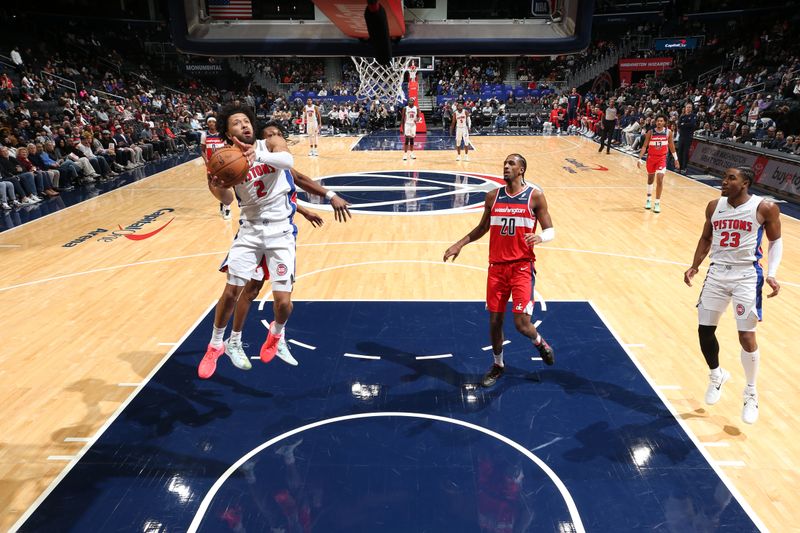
216, 337
236, 336
498, 358
750, 364
649, 189
276, 328
537, 341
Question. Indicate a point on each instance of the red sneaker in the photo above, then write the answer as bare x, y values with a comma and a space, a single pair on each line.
208, 365
270, 346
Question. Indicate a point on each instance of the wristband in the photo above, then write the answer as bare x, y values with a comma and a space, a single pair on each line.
774, 256
330, 194
675, 156
548, 234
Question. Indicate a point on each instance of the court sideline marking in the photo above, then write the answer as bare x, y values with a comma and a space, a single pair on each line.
35, 505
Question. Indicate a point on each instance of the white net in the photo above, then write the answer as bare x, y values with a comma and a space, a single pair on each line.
384, 82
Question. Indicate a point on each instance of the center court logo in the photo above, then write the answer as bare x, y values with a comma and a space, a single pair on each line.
407, 192
130, 232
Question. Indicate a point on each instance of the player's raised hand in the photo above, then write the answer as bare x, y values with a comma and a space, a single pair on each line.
776, 287
453, 252
340, 209
247, 149
688, 275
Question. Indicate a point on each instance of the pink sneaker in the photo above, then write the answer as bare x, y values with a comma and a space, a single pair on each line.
208, 365
270, 346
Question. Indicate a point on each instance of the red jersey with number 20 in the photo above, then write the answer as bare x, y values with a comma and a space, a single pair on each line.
511, 220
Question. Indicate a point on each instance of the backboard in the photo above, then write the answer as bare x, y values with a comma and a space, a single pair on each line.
546, 28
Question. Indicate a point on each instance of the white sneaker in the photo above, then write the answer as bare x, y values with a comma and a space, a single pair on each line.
750, 408
466, 158
413, 155
5, 206
458, 158
235, 351
405, 157
226, 212
284, 354
714, 390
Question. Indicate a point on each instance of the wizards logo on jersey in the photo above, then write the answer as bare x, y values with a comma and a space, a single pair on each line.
407, 192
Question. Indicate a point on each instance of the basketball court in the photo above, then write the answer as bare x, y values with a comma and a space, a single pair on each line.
382, 425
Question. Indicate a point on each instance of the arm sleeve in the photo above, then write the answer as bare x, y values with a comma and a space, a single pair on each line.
276, 159
774, 256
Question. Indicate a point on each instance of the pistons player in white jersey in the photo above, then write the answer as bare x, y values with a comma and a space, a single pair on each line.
409, 120
266, 235
510, 216
211, 140
461, 124
312, 119
734, 227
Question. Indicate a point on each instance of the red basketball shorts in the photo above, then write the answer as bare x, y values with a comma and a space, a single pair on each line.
515, 280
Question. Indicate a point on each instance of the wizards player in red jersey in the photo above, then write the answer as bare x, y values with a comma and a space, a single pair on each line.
510, 216
210, 141
656, 142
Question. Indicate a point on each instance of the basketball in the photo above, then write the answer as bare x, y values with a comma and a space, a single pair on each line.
229, 165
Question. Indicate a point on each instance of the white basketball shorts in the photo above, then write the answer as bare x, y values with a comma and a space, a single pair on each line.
272, 248
725, 283
410, 129
462, 135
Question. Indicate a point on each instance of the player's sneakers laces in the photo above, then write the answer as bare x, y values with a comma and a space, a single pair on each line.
546, 353
493, 375
458, 158
270, 346
235, 351
647, 204
714, 390
284, 354
657, 207
208, 365
750, 408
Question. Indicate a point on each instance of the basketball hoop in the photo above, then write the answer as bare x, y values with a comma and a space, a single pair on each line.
384, 82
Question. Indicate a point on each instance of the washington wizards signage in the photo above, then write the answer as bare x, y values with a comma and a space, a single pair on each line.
407, 192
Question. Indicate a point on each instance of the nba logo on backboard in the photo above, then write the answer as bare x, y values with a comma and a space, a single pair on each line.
281, 270
739, 309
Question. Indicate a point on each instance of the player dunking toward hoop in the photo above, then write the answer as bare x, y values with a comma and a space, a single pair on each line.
656, 143
732, 233
409, 120
511, 215
312, 119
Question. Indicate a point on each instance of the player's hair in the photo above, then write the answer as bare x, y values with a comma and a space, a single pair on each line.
747, 173
277, 125
524, 163
230, 110
662, 115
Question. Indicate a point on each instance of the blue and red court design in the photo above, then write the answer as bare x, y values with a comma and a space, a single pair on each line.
381, 427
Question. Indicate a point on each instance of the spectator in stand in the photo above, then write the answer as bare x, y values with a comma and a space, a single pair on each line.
123, 142
687, 124
122, 158
23, 182
746, 136
80, 148
67, 171
61, 154
705, 132
145, 139
16, 58
44, 185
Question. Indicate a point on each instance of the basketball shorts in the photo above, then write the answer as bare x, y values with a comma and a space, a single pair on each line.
725, 283
656, 165
462, 135
312, 129
410, 129
265, 246
515, 280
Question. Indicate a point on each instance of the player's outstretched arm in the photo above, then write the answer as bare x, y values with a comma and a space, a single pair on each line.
479, 231
312, 217
772, 226
340, 207
703, 245
276, 153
